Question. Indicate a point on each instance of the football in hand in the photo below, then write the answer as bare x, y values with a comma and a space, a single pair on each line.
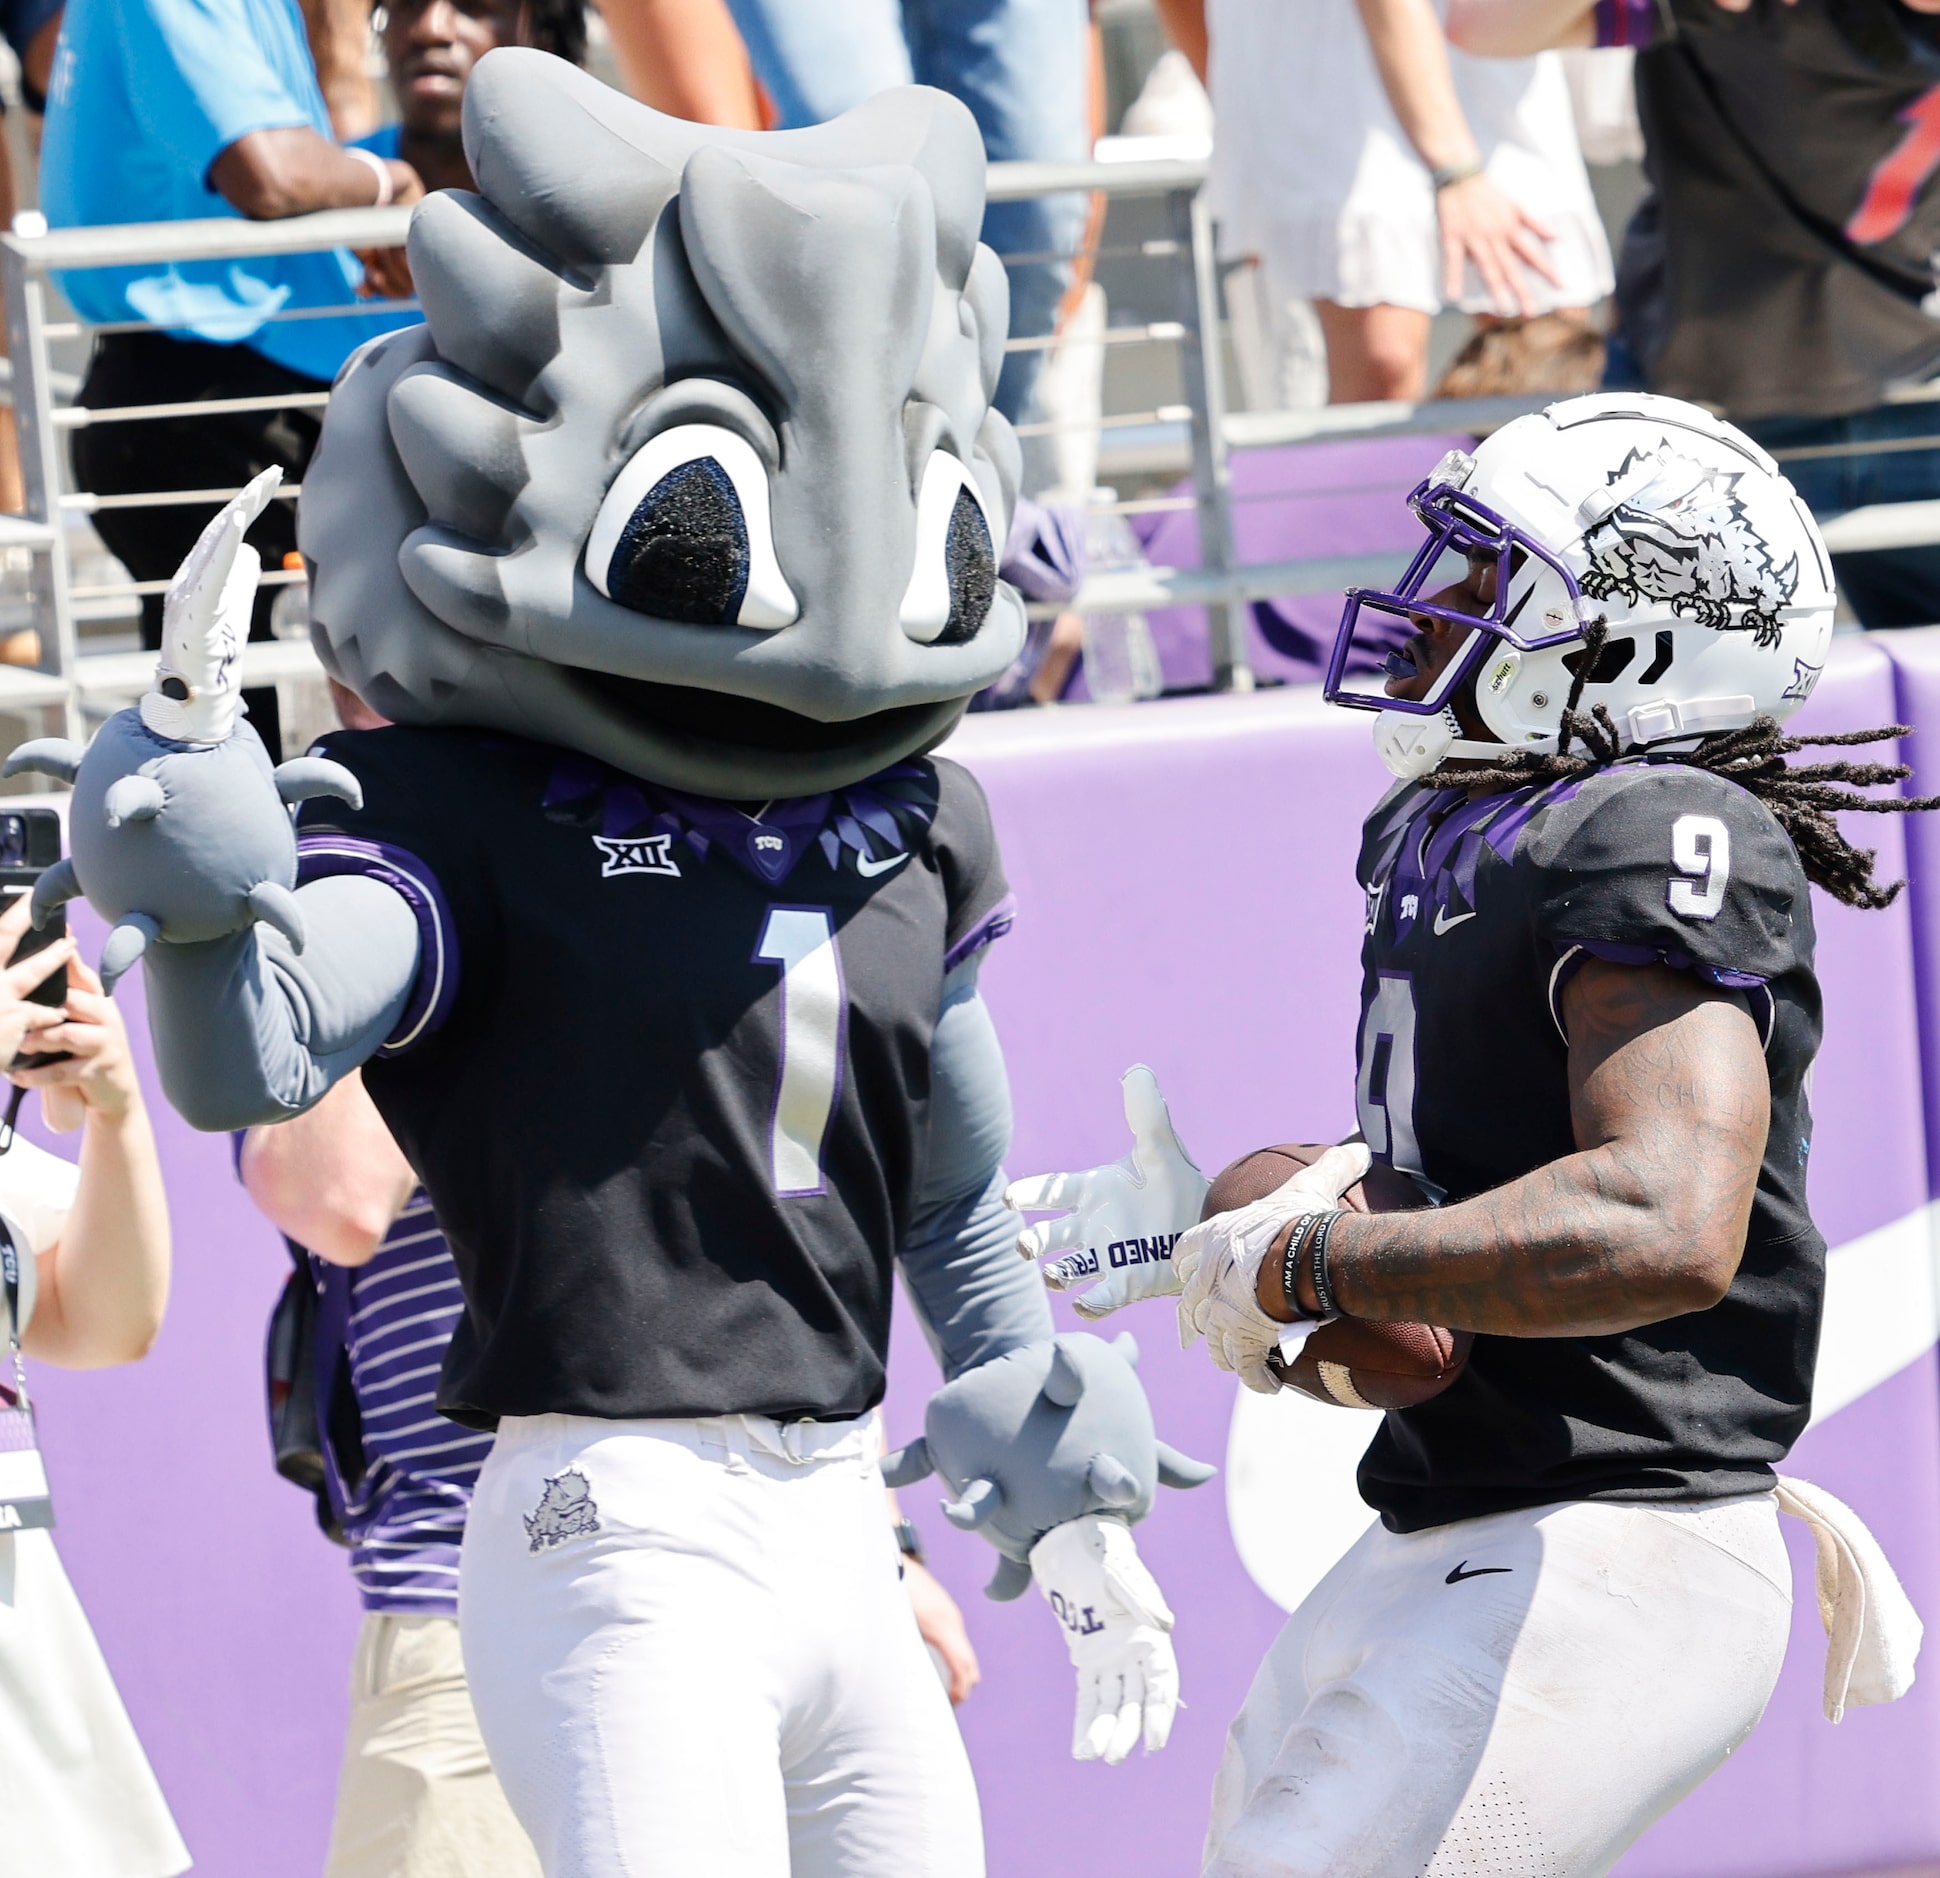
1353, 1362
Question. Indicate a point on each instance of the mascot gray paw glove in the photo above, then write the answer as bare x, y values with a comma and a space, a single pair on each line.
180, 828
1042, 1435
1117, 1626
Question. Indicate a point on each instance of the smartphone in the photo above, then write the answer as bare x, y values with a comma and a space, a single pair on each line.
30, 843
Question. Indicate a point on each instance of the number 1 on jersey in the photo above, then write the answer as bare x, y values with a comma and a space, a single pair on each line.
801, 940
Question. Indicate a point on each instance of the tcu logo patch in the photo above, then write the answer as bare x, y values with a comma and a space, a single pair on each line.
566, 1510
636, 854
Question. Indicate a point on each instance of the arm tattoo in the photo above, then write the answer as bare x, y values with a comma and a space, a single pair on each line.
1670, 1103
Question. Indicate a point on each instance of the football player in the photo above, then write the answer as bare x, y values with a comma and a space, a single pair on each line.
1588, 1014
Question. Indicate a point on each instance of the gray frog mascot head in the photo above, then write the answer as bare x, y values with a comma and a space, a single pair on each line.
692, 466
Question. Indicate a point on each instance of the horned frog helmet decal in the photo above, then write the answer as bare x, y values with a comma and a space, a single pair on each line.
692, 466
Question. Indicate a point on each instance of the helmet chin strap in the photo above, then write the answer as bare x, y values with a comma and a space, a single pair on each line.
1411, 746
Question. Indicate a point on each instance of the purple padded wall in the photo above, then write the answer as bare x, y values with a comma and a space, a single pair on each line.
1916, 661
1185, 877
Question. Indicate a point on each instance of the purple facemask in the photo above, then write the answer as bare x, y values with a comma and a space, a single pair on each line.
1456, 524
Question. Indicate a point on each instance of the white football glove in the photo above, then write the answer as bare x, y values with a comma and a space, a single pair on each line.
1219, 1269
205, 623
1122, 1219
1116, 1623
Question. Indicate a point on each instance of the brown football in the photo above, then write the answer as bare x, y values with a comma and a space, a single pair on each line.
1354, 1362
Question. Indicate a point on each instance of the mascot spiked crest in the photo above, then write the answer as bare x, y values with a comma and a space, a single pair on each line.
692, 467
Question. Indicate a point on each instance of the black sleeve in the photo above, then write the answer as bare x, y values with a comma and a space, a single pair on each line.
416, 834
1669, 863
981, 905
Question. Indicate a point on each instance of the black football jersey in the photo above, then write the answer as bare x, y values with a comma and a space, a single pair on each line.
1477, 913
666, 1070
1784, 262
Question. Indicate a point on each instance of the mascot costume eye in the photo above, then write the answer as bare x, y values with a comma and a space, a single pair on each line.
668, 546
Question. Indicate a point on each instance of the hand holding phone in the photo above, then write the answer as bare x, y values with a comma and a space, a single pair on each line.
30, 843
33, 988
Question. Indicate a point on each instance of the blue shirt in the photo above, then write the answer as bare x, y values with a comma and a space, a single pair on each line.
405, 1519
146, 94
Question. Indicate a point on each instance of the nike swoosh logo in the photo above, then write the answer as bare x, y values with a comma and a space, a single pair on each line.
1442, 924
1462, 1571
869, 869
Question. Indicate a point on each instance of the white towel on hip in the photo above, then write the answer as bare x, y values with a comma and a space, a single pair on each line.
1872, 1630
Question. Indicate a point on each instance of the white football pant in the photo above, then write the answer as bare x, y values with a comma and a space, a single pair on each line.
692, 1656
1511, 1697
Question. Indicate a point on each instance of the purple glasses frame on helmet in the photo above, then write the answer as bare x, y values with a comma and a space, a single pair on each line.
1455, 523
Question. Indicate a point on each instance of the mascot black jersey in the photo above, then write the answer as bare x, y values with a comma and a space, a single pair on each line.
665, 1073
1478, 912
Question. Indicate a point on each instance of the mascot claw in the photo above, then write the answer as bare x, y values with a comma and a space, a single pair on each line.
129, 940
135, 798
276, 906
55, 887
180, 826
58, 757
304, 778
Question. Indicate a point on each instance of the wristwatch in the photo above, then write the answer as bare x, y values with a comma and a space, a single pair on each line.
908, 1541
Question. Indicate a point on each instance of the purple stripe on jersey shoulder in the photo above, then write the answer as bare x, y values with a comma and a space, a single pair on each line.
994, 924
1570, 962
322, 855
1675, 957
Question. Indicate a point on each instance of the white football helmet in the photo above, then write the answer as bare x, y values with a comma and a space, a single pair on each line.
1650, 515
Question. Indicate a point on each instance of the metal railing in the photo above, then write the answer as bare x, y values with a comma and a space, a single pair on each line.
73, 683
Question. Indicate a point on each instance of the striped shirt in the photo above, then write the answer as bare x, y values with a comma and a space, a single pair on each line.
406, 1517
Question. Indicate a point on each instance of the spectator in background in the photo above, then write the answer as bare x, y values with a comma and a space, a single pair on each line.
165, 110
431, 47
339, 36
1554, 352
1783, 265
81, 1800
1020, 65
30, 28
1378, 178
416, 1795
686, 57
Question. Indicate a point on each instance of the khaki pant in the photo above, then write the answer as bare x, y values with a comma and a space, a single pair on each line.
417, 1797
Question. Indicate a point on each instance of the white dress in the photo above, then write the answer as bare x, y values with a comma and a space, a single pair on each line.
77, 1796
1313, 174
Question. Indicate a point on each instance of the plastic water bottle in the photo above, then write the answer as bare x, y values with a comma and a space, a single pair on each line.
289, 612
1120, 661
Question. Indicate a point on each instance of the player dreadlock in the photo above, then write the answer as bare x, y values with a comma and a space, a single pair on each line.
1801, 797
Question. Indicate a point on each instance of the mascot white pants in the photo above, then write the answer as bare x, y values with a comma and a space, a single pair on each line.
728, 1676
